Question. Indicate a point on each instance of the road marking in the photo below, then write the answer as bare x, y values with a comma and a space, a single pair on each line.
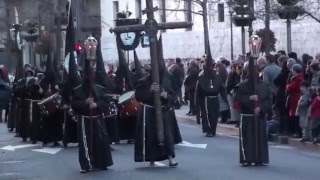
10, 174
230, 136
160, 164
188, 144
13, 148
10, 162
283, 147
48, 150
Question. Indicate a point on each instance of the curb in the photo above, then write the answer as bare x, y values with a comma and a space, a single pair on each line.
231, 130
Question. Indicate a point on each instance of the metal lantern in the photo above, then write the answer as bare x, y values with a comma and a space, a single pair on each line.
91, 47
255, 45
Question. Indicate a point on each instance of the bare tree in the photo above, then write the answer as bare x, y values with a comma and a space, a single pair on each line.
204, 12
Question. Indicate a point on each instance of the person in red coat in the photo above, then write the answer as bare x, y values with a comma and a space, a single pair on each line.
315, 118
293, 94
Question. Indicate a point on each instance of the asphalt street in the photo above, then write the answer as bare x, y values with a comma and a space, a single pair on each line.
218, 161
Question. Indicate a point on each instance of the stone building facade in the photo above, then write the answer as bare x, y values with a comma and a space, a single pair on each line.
305, 31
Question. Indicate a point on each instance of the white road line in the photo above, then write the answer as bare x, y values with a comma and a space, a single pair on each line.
10, 162
160, 164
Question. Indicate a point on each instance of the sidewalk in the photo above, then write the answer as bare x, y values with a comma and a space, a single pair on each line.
231, 130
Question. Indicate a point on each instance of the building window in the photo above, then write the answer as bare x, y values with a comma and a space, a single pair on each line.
221, 12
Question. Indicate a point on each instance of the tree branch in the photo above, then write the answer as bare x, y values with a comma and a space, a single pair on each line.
184, 10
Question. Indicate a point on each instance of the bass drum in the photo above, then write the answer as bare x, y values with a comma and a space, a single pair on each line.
128, 105
51, 104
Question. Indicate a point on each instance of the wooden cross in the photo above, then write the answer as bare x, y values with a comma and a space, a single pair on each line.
151, 27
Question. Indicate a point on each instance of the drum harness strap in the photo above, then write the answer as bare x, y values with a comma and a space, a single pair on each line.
206, 104
241, 135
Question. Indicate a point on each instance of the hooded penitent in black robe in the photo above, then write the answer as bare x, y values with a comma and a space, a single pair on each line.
172, 87
52, 123
102, 79
253, 138
73, 80
146, 144
18, 90
207, 96
124, 83
94, 149
30, 119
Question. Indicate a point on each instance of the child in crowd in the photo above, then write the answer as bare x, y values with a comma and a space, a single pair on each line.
302, 111
315, 117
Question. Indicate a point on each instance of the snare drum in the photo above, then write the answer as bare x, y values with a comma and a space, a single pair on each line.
128, 105
51, 104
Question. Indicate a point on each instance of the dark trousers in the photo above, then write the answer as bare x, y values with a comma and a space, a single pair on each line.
283, 118
293, 124
192, 105
225, 115
315, 128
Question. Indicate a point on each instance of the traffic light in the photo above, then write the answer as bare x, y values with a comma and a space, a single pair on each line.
78, 47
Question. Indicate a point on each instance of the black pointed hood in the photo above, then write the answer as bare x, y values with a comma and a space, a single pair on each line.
73, 78
161, 62
209, 61
101, 74
137, 65
123, 68
50, 75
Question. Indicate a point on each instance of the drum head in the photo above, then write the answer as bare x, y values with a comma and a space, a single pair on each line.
124, 97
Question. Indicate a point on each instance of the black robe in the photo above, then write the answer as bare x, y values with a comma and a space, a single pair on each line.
253, 138
146, 143
94, 149
208, 100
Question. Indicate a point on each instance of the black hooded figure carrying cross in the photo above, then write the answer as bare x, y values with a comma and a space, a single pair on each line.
147, 147
89, 102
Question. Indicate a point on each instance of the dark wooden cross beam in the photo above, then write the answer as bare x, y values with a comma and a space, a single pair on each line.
151, 27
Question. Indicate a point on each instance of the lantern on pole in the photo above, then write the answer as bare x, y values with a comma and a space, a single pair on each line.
91, 47
255, 46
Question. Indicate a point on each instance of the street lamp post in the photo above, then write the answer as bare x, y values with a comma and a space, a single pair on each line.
231, 32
